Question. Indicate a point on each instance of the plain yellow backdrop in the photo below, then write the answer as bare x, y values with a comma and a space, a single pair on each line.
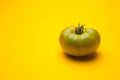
29, 39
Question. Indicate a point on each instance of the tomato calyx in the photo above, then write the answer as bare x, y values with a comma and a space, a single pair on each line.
79, 29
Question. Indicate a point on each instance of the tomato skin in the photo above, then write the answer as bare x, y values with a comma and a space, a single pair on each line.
79, 44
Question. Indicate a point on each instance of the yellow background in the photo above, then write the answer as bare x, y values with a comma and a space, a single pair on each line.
29, 34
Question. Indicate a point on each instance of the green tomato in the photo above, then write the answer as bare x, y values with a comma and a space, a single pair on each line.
79, 41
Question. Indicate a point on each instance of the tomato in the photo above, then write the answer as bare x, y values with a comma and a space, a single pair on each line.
79, 41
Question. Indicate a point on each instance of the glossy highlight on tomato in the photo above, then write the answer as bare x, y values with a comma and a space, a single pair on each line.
79, 41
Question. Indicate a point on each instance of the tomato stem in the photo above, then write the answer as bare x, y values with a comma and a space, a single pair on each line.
79, 29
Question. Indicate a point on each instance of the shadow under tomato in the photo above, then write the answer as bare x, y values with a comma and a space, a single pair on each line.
91, 57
